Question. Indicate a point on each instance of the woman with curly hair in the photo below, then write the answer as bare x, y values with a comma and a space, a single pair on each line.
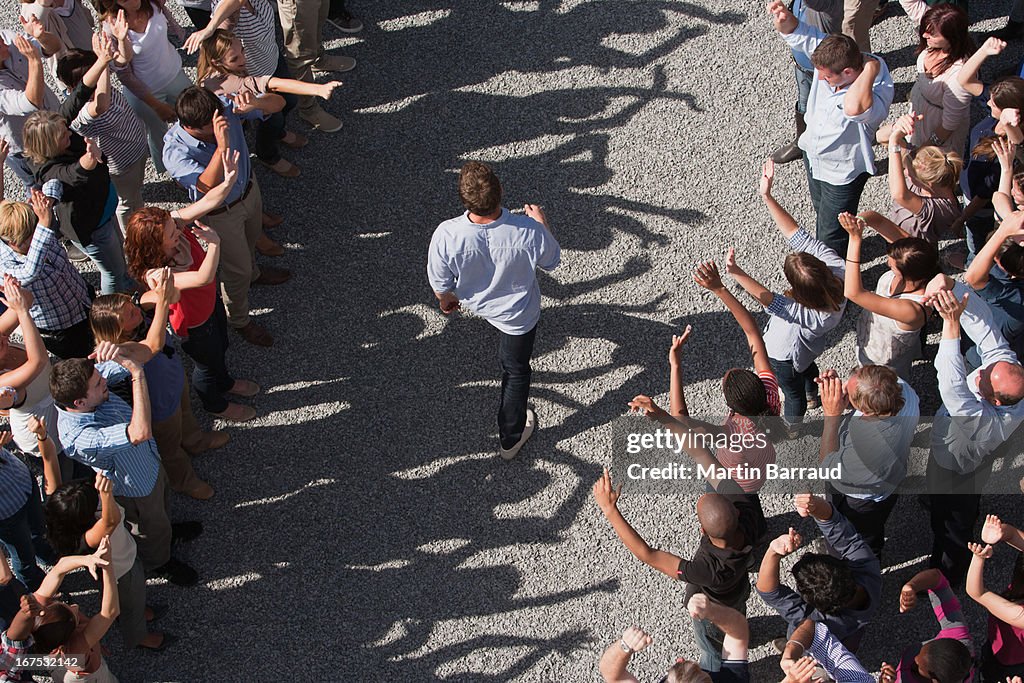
157, 238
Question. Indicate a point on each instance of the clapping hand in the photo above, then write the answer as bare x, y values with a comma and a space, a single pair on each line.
1004, 149
949, 306
853, 225
982, 551
833, 394
808, 504
26, 48
731, 267
32, 26
764, 188
119, 27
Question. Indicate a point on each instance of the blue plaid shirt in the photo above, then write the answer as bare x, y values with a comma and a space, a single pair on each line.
100, 440
61, 296
15, 484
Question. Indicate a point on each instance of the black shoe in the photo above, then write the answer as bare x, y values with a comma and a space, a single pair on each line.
185, 531
345, 22
787, 153
177, 572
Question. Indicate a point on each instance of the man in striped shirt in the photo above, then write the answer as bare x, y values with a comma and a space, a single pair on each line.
100, 430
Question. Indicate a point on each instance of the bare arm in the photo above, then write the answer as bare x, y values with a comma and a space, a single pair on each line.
706, 275
968, 76
110, 515
889, 231
977, 274
19, 300
901, 310
110, 605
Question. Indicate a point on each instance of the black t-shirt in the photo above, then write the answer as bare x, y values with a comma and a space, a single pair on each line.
721, 573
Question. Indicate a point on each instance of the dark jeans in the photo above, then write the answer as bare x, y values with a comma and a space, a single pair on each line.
74, 342
337, 8
804, 81
200, 17
831, 200
206, 346
796, 387
270, 131
978, 230
514, 354
955, 502
867, 516
23, 536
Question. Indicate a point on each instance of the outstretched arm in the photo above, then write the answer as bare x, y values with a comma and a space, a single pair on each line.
607, 499
977, 274
968, 76
783, 220
706, 275
616, 656
700, 455
768, 575
751, 286
898, 188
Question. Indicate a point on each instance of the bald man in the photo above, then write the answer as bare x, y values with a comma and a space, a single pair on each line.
731, 525
980, 411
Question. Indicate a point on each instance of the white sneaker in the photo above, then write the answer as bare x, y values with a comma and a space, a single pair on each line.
531, 422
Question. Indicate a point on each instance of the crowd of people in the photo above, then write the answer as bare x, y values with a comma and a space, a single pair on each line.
102, 428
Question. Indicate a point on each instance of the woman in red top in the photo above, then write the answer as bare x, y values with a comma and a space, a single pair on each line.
156, 238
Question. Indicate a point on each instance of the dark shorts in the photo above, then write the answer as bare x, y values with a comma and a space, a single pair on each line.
732, 672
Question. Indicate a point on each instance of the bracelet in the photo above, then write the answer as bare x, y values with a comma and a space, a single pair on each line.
802, 648
849, 260
41, 440
626, 648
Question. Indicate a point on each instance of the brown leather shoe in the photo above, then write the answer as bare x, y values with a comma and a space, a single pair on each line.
200, 491
207, 441
294, 140
271, 220
245, 388
255, 334
269, 275
284, 168
236, 412
268, 247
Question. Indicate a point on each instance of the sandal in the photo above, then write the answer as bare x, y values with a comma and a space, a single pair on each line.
283, 168
294, 140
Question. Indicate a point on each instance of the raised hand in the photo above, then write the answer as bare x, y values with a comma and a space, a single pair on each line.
833, 395
99, 559
853, 225
807, 504
103, 485
982, 551
764, 188
706, 275
802, 670
536, 212
37, 425
205, 233
731, 267
244, 102
675, 351
908, 598
782, 18
14, 296
195, 41
32, 26
636, 639
786, 543
1004, 149
26, 48
221, 130
645, 404
119, 27
949, 306
105, 351
103, 46
992, 532
993, 46
229, 159
92, 148
1010, 117
605, 494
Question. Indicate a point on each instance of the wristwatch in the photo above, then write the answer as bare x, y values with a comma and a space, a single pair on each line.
626, 648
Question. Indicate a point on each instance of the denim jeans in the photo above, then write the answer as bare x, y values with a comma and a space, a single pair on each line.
108, 255
23, 536
206, 346
709, 637
804, 81
831, 200
155, 126
270, 131
796, 387
514, 355
978, 230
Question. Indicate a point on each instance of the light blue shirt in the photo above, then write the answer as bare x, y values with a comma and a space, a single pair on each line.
492, 268
839, 147
967, 427
100, 440
797, 333
186, 157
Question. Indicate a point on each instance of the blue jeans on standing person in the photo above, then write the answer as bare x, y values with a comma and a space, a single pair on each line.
514, 354
831, 200
796, 387
107, 253
206, 346
23, 536
271, 130
804, 81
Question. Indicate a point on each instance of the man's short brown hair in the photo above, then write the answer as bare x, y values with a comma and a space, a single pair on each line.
479, 189
878, 391
69, 380
838, 52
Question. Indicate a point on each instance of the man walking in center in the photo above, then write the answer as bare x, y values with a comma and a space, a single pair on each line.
487, 260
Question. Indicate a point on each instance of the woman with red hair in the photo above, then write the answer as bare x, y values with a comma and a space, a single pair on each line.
156, 238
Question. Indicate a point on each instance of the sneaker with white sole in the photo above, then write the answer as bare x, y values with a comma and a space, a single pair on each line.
321, 120
531, 423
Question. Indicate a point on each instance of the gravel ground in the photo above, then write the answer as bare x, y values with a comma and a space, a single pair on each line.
363, 527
